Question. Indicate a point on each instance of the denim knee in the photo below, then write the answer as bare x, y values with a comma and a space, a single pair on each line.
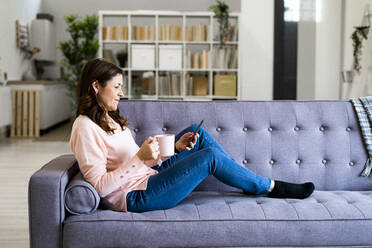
212, 151
193, 127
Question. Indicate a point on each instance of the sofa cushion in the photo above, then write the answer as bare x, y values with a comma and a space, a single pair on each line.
80, 196
225, 219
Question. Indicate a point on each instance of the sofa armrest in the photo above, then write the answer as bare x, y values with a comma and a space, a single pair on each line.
46, 209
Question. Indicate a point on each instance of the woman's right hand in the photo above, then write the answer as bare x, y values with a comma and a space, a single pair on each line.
149, 149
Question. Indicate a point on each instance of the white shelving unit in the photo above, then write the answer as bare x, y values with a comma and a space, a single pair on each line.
128, 17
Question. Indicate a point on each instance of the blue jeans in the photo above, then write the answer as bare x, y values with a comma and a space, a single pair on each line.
181, 173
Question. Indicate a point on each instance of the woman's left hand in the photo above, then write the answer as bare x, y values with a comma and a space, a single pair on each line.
184, 142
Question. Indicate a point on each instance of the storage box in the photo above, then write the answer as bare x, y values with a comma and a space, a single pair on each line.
224, 85
170, 57
143, 57
199, 85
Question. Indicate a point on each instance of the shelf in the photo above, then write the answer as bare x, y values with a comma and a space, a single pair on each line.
179, 77
161, 13
224, 97
173, 70
170, 42
197, 98
198, 42
196, 69
170, 97
228, 70
149, 69
142, 42
143, 97
114, 41
227, 42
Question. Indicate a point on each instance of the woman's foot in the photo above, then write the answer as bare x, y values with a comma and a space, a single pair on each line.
291, 190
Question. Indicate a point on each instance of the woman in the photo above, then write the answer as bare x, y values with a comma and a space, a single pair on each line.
128, 177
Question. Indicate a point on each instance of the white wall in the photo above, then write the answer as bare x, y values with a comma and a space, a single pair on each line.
328, 50
256, 49
319, 50
256, 36
59, 9
354, 10
12, 60
362, 84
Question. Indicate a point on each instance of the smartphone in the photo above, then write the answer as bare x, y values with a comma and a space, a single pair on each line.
197, 129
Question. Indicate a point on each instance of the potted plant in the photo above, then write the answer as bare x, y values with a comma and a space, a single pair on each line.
122, 57
82, 47
360, 33
137, 92
221, 10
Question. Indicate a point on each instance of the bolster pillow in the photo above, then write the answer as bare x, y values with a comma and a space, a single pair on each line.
80, 196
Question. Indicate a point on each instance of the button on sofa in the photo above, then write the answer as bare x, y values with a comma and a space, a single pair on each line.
295, 141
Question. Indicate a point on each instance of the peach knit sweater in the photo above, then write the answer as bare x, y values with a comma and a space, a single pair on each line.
109, 161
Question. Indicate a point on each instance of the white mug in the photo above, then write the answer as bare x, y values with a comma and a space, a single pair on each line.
166, 144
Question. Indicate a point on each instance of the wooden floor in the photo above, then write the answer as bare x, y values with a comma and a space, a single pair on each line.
19, 159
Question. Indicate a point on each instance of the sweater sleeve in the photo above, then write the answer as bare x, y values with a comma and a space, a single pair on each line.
91, 153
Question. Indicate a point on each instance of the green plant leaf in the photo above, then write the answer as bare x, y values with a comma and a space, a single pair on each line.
221, 10
82, 46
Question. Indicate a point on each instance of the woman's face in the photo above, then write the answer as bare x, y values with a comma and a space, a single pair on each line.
111, 93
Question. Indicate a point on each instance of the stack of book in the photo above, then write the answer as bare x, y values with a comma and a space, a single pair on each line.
200, 32
119, 32
170, 32
148, 86
170, 84
197, 85
232, 34
116, 32
143, 32
197, 60
225, 58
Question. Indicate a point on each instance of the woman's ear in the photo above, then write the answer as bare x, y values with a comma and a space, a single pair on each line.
95, 86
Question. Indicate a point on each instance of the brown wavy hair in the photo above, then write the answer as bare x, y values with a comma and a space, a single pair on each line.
101, 71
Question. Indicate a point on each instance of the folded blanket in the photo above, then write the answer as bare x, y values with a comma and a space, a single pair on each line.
363, 108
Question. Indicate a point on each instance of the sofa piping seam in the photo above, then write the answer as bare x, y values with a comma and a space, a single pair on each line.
298, 216
217, 220
326, 209
70, 188
231, 213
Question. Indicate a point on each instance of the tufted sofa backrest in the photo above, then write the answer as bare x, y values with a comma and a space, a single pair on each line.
295, 141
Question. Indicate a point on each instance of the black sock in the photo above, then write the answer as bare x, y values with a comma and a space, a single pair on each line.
291, 190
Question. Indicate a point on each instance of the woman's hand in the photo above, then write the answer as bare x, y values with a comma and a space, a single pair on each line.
149, 149
183, 142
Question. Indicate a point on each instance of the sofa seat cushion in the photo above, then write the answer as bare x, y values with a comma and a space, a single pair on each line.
207, 218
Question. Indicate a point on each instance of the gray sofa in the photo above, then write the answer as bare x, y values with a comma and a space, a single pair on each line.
296, 141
